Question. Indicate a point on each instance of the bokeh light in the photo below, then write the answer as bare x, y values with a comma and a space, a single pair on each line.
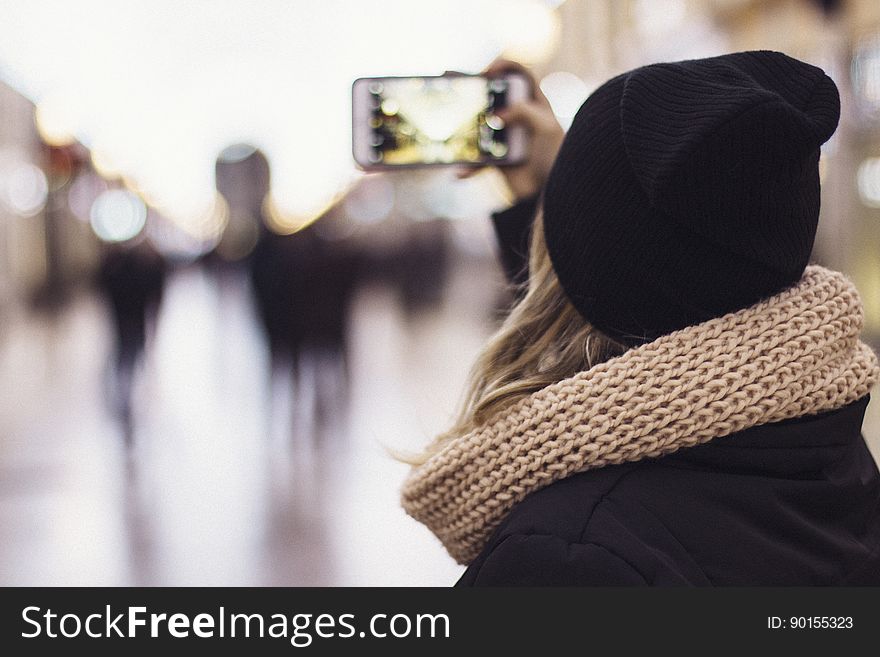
55, 121
566, 93
236, 153
23, 188
869, 182
866, 74
118, 215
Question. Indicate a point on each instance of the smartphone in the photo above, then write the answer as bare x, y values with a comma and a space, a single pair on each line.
435, 120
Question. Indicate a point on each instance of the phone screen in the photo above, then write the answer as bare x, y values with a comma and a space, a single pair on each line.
436, 120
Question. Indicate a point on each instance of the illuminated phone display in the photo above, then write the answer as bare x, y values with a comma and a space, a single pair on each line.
433, 120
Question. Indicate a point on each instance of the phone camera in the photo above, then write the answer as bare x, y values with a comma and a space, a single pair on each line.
498, 149
495, 122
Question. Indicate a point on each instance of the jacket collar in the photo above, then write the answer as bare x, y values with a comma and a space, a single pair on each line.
791, 448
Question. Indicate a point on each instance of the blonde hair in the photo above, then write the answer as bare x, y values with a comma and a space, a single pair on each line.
543, 340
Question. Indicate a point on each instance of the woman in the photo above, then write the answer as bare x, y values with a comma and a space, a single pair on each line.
677, 397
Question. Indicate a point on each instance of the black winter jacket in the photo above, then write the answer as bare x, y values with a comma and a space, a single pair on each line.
790, 503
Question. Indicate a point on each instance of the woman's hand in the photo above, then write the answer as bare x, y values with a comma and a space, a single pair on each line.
545, 135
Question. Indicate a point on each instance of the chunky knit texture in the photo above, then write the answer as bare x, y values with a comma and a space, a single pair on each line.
795, 354
684, 191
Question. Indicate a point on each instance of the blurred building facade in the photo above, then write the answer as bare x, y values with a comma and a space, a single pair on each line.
22, 265
48, 251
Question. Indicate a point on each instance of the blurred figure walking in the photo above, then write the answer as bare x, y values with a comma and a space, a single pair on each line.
302, 285
131, 277
324, 286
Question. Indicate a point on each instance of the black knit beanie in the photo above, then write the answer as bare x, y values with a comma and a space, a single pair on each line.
685, 191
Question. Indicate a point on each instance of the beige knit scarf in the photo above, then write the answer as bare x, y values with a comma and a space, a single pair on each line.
797, 353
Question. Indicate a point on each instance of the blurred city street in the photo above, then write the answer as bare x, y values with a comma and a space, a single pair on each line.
222, 486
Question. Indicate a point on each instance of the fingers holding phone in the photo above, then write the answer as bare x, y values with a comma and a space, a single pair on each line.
498, 118
536, 116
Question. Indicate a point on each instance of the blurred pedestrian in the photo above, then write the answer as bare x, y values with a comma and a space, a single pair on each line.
323, 288
131, 277
423, 266
302, 284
